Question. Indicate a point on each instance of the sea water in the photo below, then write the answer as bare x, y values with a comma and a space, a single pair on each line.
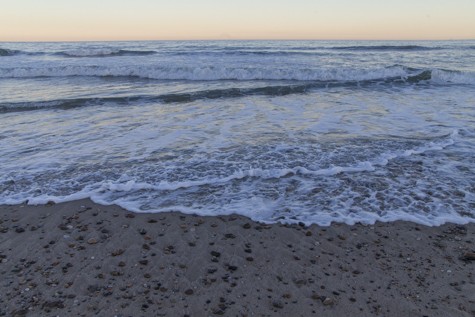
279, 131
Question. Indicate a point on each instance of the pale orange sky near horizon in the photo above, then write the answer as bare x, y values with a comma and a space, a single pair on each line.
64, 20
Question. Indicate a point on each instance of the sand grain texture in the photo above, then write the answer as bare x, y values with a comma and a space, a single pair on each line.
83, 259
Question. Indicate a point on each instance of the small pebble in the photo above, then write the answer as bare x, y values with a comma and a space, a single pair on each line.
277, 304
215, 254
247, 225
328, 301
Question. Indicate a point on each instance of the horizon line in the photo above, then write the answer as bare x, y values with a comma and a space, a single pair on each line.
233, 39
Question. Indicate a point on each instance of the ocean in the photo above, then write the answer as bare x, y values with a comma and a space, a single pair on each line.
279, 131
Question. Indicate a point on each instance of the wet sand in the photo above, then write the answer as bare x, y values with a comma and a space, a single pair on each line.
84, 259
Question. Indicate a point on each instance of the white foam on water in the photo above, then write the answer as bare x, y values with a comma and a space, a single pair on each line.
206, 73
214, 73
132, 195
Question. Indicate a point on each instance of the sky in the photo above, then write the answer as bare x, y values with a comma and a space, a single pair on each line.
81, 20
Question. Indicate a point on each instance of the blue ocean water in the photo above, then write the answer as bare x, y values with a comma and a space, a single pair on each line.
289, 131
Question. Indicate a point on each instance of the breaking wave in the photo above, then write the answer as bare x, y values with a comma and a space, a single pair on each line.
7, 52
271, 90
104, 53
387, 48
212, 73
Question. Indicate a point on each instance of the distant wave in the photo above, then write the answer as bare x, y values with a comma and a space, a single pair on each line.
7, 52
230, 52
215, 50
208, 73
387, 48
263, 49
211, 73
103, 53
272, 90
190, 50
307, 50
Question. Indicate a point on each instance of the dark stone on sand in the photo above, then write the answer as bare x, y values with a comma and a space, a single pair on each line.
215, 254
189, 291
117, 252
129, 216
278, 304
53, 304
18, 313
169, 249
143, 231
231, 267
247, 225
143, 262
229, 236
62, 226
250, 259
19, 230
117, 273
468, 256
212, 270
92, 241
308, 233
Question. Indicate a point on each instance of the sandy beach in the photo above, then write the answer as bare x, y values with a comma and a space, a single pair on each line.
84, 259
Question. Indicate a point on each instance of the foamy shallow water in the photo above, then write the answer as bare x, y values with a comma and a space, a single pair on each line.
313, 132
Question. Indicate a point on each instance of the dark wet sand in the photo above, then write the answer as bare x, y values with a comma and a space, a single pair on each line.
83, 259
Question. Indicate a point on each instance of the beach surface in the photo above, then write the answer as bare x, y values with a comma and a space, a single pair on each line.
83, 259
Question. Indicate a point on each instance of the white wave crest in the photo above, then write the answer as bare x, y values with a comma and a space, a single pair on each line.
203, 73
209, 73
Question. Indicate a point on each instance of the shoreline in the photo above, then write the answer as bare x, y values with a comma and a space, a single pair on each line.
80, 258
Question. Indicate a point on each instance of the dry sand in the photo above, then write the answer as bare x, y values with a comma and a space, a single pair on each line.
83, 259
